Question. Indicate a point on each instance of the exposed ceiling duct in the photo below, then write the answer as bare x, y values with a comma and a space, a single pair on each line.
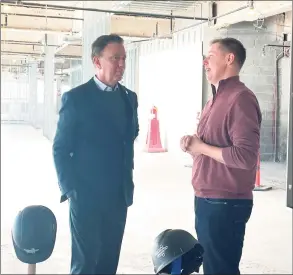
115, 12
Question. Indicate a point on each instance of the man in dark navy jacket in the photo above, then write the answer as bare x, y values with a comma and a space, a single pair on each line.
93, 154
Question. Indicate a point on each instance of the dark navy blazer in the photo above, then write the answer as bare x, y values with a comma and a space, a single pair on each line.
91, 154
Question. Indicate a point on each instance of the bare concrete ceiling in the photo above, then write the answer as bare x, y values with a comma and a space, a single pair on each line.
25, 23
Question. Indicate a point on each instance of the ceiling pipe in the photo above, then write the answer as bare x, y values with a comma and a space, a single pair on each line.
248, 5
122, 13
15, 65
17, 29
273, 46
40, 55
41, 16
15, 42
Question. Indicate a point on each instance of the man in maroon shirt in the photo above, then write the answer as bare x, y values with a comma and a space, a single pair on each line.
225, 152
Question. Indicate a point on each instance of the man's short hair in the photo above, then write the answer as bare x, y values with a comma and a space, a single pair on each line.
101, 42
234, 46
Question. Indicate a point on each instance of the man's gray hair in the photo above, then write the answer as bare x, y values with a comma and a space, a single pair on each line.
101, 42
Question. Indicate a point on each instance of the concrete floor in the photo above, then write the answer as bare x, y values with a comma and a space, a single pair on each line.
163, 199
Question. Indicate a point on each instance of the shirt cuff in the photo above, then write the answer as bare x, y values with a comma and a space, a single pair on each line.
227, 156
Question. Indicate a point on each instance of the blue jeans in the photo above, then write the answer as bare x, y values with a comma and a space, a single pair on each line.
220, 226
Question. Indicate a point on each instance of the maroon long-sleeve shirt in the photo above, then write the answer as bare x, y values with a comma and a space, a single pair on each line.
230, 120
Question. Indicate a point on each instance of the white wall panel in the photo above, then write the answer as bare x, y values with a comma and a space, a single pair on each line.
170, 77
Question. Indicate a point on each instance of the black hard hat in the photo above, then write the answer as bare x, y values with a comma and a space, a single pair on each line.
34, 234
172, 245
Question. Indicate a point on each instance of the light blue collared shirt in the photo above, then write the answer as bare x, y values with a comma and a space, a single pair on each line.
103, 86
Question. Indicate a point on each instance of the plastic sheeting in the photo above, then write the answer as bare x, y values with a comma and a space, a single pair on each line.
15, 95
170, 77
130, 78
49, 90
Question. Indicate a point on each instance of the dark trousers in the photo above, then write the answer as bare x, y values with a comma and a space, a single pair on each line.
220, 227
96, 234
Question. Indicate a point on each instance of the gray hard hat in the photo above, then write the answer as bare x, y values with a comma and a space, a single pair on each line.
34, 234
173, 244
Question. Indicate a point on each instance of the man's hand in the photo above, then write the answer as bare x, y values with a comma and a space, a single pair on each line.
195, 145
198, 147
185, 142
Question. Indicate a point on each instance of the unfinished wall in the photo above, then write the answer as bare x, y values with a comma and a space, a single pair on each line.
259, 74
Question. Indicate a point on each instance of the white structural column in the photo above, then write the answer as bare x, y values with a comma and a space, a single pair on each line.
95, 24
49, 86
58, 95
33, 90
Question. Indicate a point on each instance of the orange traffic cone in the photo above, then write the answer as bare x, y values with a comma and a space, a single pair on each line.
258, 186
153, 142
